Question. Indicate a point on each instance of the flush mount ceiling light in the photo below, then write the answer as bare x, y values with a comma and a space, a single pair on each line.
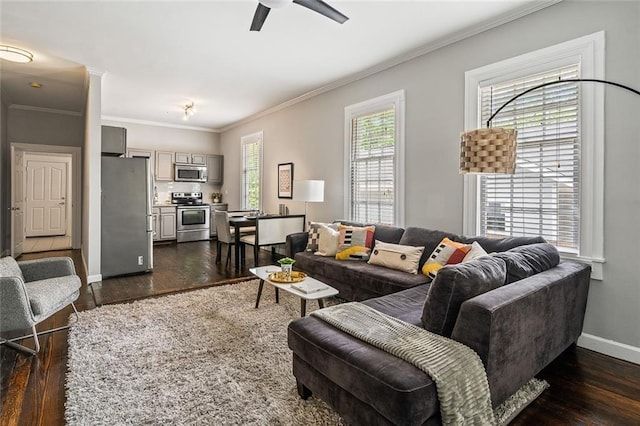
35, 85
189, 111
15, 54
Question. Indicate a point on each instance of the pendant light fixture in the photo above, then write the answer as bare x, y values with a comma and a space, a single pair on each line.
15, 54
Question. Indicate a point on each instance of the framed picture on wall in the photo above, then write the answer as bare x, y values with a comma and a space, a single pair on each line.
285, 180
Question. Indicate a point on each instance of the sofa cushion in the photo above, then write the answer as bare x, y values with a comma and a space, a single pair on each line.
399, 391
9, 268
455, 284
426, 238
492, 245
355, 242
525, 261
446, 253
384, 233
356, 280
396, 256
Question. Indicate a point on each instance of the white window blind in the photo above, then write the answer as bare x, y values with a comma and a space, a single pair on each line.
373, 150
251, 165
543, 196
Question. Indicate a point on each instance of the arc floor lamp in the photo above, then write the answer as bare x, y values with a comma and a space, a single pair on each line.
493, 150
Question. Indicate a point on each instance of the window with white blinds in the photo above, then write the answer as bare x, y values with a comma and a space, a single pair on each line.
251, 171
543, 196
374, 160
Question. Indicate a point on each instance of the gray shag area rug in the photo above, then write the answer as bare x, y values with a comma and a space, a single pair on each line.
200, 357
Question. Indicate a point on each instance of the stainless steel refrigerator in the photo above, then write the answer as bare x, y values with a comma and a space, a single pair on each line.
127, 234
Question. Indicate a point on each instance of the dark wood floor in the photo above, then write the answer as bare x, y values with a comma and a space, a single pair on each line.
587, 388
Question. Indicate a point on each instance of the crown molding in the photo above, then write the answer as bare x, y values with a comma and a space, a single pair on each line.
400, 59
47, 110
159, 124
95, 71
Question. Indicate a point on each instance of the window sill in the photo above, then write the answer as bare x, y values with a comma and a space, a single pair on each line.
595, 263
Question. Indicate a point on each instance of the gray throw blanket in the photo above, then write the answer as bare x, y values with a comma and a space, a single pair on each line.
460, 378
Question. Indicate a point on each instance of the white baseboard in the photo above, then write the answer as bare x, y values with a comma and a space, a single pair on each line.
610, 347
94, 278
90, 278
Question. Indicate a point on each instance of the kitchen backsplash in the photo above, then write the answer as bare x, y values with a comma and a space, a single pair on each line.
166, 188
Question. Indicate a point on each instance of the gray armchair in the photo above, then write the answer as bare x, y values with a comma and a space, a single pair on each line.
32, 291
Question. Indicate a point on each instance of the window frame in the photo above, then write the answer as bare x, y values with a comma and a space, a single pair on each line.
589, 52
395, 101
246, 140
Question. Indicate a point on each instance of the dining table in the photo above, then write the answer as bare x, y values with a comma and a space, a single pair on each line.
239, 222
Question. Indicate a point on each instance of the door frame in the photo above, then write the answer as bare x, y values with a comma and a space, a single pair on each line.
76, 184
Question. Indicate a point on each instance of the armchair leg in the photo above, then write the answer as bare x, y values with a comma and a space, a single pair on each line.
11, 342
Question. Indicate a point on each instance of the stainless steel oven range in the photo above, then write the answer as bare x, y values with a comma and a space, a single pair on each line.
193, 216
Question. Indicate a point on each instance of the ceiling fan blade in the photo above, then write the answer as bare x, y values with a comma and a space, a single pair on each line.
323, 9
258, 18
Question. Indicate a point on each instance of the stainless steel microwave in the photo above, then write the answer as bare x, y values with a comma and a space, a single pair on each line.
190, 173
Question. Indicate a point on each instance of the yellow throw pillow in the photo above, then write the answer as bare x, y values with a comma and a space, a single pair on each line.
446, 253
396, 256
355, 243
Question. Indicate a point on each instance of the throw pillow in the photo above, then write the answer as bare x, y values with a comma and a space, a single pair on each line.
355, 243
456, 284
314, 235
328, 241
446, 253
475, 252
395, 256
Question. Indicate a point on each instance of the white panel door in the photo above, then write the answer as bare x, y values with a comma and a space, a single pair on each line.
46, 198
17, 204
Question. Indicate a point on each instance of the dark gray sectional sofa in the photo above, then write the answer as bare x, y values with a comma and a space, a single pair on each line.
533, 310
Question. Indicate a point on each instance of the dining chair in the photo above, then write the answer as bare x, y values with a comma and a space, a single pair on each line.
225, 235
272, 231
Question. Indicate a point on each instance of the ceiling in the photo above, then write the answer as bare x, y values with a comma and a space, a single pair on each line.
158, 56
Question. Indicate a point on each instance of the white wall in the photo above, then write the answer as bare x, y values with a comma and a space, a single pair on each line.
310, 134
159, 138
92, 186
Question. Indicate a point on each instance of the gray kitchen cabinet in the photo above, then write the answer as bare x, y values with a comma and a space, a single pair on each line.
114, 140
200, 159
183, 157
142, 153
164, 165
164, 223
155, 212
215, 169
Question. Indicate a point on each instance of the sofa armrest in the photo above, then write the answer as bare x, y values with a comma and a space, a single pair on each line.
295, 243
518, 329
15, 312
40, 269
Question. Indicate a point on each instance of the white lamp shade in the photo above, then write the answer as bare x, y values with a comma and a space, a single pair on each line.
308, 190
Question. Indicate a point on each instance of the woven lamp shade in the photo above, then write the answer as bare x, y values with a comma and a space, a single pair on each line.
488, 151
